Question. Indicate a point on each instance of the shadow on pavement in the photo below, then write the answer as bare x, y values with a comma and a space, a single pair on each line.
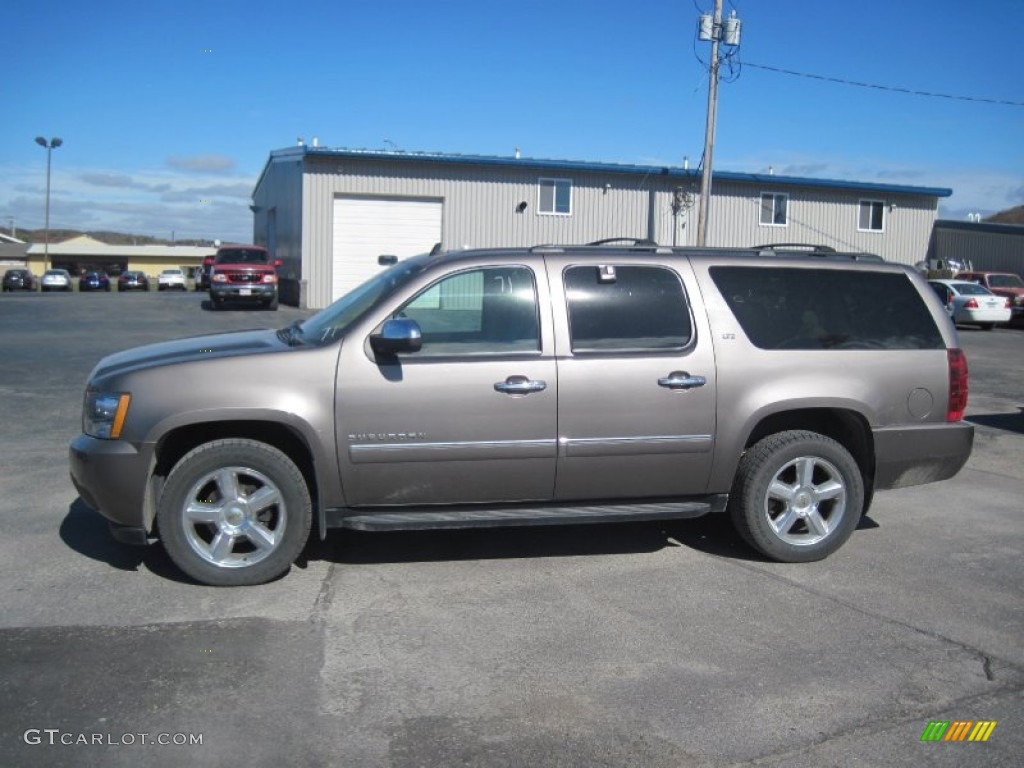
85, 531
1010, 422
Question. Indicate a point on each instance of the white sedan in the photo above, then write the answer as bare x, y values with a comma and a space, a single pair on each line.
972, 303
171, 279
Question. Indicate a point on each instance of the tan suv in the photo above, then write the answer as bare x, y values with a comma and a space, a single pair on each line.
540, 386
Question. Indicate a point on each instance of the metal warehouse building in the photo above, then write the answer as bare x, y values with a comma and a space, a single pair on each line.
985, 246
328, 214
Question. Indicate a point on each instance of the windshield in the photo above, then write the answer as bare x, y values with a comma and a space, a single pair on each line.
332, 322
1005, 281
243, 256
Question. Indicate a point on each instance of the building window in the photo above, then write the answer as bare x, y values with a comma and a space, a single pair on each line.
555, 197
872, 216
774, 209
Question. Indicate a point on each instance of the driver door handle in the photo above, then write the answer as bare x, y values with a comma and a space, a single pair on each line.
520, 385
681, 380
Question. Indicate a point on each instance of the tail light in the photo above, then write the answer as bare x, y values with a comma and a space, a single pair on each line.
971, 304
1009, 305
957, 384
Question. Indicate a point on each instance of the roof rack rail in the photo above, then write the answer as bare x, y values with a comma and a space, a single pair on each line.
639, 242
812, 247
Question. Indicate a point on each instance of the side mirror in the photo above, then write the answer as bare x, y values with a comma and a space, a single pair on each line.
387, 259
277, 263
397, 335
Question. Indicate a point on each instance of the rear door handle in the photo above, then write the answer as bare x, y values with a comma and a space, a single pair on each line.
681, 380
520, 385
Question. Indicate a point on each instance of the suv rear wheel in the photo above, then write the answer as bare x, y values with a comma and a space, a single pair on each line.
797, 497
234, 512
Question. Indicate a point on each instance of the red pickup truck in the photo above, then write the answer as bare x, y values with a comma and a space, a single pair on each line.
243, 273
1005, 284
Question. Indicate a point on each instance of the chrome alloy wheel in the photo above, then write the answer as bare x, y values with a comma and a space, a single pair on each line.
234, 517
805, 501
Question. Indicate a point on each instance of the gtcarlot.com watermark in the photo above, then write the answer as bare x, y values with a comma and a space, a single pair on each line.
57, 737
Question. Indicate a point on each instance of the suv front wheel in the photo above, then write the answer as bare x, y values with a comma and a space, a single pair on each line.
234, 512
797, 497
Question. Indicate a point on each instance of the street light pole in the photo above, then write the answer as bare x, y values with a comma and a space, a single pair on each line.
49, 146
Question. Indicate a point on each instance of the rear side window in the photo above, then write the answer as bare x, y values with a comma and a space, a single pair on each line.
790, 308
626, 309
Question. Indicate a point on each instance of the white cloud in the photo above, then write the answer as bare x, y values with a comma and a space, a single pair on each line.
148, 202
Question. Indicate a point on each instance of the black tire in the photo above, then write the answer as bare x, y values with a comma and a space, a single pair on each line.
212, 528
987, 326
797, 496
272, 304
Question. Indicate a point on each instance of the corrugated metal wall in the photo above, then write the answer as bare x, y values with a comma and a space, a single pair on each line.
279, 218
480, 206
480, 210
985, 248
823, 217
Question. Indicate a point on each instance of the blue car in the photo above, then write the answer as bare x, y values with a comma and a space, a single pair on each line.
94, 281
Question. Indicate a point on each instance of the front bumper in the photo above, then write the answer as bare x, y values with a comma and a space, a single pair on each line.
928, 453
250, 292
111, 476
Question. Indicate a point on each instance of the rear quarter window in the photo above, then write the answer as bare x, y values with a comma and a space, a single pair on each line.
793, 308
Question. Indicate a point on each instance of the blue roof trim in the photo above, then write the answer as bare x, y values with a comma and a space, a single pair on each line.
595, 167
992, 227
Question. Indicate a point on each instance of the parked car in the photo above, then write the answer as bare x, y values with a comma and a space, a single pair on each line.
244, 273
972, 303
1001, 284
550, 385
19, 280
56, 280
171, 279
94, 281
133, 280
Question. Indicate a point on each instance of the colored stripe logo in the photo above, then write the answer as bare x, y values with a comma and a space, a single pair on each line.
958, 730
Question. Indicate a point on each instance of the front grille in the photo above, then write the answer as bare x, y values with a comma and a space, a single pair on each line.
244, 277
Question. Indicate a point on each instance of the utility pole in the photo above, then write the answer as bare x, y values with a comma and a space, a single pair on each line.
712, 28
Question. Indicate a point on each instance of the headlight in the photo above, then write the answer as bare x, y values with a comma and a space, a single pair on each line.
219, 277
104, 414
270, 279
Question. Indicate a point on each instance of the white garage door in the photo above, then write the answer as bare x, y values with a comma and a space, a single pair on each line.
365, 228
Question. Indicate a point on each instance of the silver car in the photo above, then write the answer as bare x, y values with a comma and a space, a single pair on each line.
552, 385
56, 280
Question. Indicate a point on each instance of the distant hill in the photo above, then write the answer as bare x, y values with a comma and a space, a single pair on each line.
1009, 216
110, 238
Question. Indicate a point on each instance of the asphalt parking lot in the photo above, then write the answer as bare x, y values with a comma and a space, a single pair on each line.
614, 645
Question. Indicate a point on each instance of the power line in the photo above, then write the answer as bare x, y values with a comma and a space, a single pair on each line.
893, 88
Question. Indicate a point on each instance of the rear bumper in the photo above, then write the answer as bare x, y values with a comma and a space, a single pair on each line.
907, 456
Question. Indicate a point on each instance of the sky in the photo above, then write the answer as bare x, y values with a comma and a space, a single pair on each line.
168, 110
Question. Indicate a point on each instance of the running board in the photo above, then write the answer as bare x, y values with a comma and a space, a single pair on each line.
426, 518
